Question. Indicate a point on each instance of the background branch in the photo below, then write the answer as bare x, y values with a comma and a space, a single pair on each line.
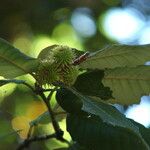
28, 141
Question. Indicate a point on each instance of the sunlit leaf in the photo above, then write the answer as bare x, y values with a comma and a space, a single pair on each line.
128, 84
21, 123
13, 63
118, 56
45, 118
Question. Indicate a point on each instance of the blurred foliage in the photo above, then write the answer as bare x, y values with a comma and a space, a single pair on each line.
31, 26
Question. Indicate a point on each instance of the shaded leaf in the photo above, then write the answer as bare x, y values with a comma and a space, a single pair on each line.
75, 146
94, 134
89, 83
14, 63
108, 114
69, 101
118, 56
145, 132
9, 134
128, 84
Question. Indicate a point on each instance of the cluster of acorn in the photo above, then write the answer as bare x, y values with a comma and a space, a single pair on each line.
56, 65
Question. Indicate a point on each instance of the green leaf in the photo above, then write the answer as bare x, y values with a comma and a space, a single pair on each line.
89, 83
94, 134
69, 101
45, 118
76, 146
145, 132
118, 56
13, 63
108, 114
128, 84
3, 82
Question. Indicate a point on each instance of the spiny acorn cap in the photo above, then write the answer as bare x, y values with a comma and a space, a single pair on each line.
56, 65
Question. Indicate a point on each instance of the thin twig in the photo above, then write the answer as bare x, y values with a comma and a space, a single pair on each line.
47, 90
55, 124
58, 132
30, 131
27, 142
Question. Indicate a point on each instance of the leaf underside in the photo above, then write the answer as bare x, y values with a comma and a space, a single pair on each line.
118, 56
128, 84
14, 63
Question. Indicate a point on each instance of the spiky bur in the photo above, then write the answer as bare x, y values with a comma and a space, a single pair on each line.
63, 55
56, 65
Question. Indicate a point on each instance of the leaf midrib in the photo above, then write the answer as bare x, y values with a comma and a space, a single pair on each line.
104, 57
107, 114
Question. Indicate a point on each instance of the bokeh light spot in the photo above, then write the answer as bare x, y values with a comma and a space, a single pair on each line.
64, 34
145, 36
121, 24
83, 22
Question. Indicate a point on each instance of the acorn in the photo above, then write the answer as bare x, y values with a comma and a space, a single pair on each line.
56, 65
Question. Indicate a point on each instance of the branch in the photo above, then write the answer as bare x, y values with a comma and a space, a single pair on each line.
55, 124
27, 142
58, 132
